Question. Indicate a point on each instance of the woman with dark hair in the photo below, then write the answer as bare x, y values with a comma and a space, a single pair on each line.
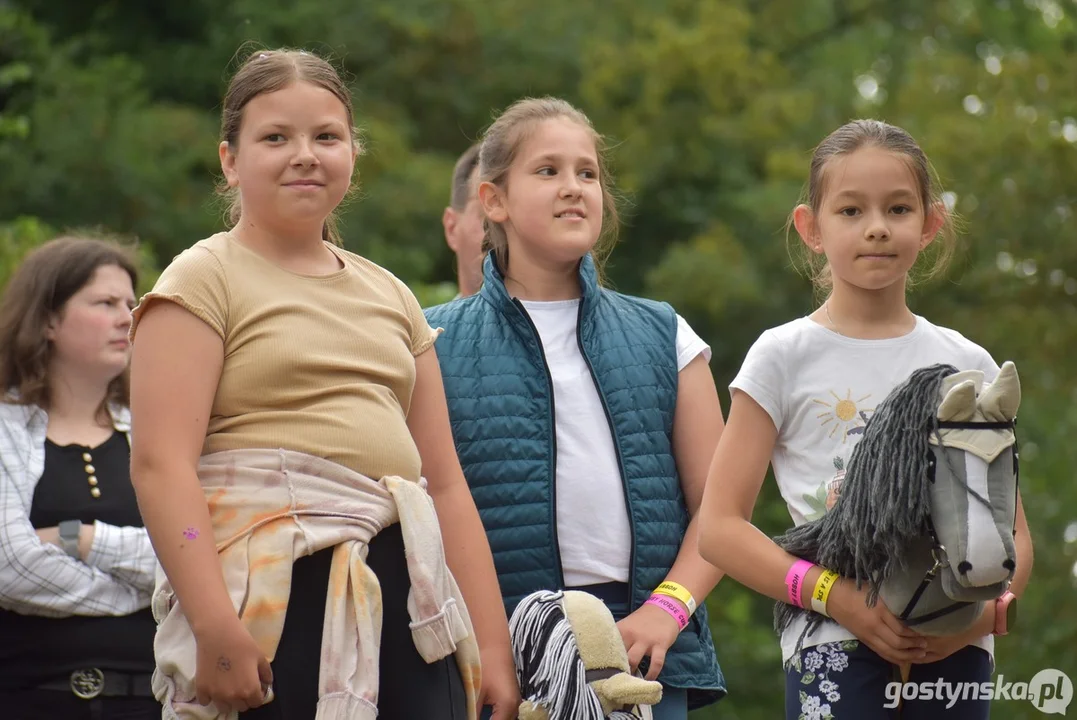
76, 566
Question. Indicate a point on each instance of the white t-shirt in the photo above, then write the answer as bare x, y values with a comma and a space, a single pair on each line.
593, 529
820, 388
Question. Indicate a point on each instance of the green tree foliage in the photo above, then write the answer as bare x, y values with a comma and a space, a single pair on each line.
108, 119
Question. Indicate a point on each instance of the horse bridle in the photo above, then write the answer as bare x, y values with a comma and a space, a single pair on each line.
938, 550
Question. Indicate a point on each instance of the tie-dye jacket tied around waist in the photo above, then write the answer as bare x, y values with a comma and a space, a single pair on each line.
270, 507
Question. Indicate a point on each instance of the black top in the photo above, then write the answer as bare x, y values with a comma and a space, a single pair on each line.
34, 649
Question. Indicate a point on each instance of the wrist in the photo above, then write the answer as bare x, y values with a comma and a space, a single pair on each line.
798, 581
835, 605
495, 649
681, 605
682, 595
86, 537
70, 537
672, 607
210, 622
811, 578
49, 536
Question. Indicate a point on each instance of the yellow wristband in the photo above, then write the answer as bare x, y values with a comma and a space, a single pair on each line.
679, 592
822, 590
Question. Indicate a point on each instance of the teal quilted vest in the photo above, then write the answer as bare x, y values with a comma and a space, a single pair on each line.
501, 407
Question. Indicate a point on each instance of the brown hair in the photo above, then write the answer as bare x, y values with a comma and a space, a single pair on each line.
267, 71
461, 177
499, 147
37, 291
874, 133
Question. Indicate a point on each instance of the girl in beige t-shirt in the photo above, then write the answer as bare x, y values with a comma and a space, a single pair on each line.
271, 337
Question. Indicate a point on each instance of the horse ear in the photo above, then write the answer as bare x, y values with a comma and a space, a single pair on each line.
1002, 397
960, 403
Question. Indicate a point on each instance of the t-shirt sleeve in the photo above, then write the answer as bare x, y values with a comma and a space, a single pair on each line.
986, 363
762, 377
195, 281
422, 335
689, 344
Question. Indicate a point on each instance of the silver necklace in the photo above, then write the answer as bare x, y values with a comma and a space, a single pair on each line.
826, 309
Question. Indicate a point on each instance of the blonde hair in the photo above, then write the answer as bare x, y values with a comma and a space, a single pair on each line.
266, 71
501, 143
874, 133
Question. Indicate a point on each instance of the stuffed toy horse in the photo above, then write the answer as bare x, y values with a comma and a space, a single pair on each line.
927, 508
571, 661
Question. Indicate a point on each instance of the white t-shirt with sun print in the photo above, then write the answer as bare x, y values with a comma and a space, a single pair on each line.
820, 388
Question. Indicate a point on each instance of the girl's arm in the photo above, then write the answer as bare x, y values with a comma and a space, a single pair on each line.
697, 425
728, 539
175, 367
1023, 546
467, 550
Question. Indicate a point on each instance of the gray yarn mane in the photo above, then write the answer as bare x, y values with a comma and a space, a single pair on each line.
884, 499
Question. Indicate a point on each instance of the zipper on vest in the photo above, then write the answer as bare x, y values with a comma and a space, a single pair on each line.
617, 450
553, 444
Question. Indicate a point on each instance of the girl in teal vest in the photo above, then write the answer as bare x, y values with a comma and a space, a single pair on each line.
585, 420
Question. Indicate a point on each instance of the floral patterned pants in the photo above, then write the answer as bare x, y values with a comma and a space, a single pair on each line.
848, 681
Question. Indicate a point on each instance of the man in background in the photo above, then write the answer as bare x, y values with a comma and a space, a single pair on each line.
462, 221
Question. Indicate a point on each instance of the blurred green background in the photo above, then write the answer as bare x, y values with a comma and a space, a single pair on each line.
109, 113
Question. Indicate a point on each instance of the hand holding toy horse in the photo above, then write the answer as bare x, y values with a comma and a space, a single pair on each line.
926, 514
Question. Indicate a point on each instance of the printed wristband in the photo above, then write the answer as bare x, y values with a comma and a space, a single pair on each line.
675, 610
678, 591
821, 594
795, 579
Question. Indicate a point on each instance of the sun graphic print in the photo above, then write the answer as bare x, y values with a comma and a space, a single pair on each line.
846, 416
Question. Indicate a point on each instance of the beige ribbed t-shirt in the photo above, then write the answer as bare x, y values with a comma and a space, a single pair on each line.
323, 365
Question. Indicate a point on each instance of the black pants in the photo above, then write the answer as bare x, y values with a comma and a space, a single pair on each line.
849, 681
57, 704
410, 688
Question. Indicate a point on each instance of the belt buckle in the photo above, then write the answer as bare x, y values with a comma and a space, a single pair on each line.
87, 684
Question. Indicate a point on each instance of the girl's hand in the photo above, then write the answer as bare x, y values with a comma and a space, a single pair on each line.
876, 627
500, 689
943, 646
231, 670
649, 631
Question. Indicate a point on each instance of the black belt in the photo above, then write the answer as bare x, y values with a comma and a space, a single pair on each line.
93, 682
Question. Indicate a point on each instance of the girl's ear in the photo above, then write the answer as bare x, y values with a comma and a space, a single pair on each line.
933, 223
493, 202
804, 222
228, 164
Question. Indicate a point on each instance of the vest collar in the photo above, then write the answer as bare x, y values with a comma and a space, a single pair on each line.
495, 292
